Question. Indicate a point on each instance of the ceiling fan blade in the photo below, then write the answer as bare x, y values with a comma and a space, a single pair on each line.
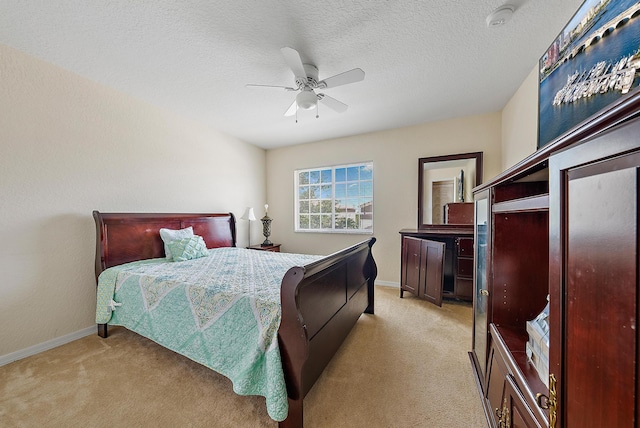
292, 109
332, 103
251, 85
350, 76
292, 58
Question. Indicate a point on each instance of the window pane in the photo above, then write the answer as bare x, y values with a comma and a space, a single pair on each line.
314, 222
352, 223
341, 205
366, 206
341, 222
352, 173
326, 176
326, 221
352, 205
366, 214
341, 190
314, 177
352, 190
366, 188
314, 192
341, 174
304, 207
325, 191
315, 206
303, 177
303, 192
325, 206
366, 172
304, 222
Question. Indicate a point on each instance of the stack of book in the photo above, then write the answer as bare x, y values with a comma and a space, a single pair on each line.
538, 345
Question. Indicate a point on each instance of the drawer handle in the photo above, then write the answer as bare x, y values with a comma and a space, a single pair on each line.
484, 292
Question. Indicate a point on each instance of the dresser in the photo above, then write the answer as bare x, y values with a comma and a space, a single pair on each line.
437, 262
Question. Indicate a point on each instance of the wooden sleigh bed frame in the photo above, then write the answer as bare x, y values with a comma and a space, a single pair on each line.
320, 302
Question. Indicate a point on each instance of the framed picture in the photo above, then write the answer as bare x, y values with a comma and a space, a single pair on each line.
593, 62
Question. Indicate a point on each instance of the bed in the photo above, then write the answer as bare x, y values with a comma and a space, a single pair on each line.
320, 298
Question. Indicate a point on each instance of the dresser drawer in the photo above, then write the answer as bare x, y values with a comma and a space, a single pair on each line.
465, 246
465, 267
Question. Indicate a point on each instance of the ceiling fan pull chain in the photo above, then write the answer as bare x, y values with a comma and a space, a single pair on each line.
296, 114
317, 114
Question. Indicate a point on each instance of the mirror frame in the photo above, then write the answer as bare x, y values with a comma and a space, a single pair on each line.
422, 161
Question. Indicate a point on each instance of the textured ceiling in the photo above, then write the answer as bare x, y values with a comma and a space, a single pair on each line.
424, 60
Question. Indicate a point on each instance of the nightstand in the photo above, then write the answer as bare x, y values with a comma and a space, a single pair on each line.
273, 247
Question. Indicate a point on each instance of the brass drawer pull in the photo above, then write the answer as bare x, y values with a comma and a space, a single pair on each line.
542, 404
504, 419
550, 402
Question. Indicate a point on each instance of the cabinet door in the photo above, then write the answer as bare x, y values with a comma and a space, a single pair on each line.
481, 283
515, 412
600, 278
432, 271
494, 392
411, 248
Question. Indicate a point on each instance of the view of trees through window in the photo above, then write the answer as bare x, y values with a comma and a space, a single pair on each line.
338, 198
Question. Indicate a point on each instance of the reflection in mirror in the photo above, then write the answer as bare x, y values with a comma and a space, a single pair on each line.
444, 188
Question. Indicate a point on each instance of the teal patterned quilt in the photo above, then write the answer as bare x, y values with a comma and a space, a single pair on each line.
222, 311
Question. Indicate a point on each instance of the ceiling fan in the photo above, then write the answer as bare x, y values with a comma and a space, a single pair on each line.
306, 81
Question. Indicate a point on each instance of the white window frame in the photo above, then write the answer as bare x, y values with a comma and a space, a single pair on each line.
361, 204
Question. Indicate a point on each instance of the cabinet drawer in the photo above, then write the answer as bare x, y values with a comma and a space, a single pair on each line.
465, 267
465, 246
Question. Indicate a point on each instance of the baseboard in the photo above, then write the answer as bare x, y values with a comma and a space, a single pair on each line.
388, 284
45, 346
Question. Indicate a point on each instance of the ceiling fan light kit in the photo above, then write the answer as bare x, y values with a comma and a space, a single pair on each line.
306, 99
306, 81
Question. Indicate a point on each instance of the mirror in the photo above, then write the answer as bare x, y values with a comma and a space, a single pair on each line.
444, 188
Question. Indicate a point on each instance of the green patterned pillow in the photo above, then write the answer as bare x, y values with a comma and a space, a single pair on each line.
188, 248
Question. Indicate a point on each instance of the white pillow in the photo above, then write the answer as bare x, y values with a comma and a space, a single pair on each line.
169, 235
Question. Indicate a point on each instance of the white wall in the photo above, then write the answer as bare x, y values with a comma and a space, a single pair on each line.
395, 156
520, 122
69, 146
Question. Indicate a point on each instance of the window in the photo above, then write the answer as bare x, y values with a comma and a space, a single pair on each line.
335, 199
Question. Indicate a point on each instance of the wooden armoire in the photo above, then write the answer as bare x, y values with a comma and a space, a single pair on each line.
562, 225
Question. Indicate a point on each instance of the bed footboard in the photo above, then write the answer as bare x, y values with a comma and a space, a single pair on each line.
321, 303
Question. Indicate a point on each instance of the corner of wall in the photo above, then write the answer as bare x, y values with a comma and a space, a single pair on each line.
520, 122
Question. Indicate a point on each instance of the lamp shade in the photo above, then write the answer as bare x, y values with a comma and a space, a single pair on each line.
306, 100
248, 215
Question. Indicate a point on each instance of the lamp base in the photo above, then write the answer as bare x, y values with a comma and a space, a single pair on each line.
266, 230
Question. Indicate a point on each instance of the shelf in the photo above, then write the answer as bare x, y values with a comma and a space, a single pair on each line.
529, 204
514, 343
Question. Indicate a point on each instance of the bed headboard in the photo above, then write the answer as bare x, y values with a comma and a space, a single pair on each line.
127, 237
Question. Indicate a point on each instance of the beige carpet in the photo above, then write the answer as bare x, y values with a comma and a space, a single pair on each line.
406, 366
